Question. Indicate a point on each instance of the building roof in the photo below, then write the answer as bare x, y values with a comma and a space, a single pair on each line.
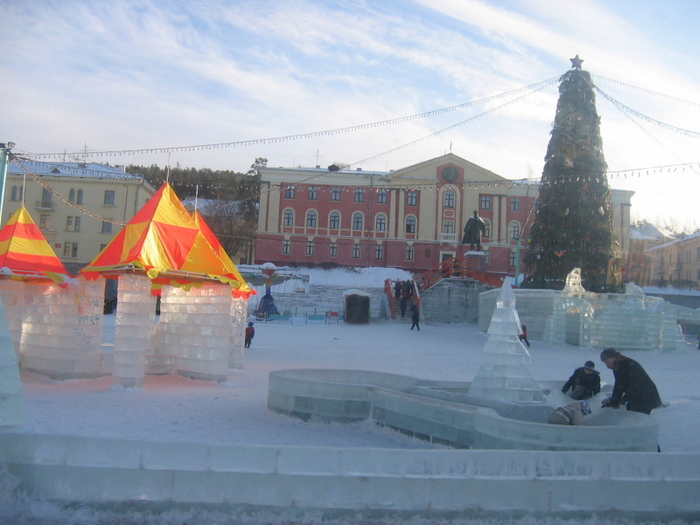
675, 241
70, 169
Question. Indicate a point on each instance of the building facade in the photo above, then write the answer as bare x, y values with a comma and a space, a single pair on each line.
410, 218
676, 263
79, 207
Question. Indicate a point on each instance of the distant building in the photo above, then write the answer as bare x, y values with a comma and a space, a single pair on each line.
677, 262
79, 207
410, 218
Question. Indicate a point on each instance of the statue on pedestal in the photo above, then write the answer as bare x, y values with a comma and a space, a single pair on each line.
473, 231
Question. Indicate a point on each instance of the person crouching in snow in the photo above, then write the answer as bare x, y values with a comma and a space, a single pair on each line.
249, 334
584, 382
571, 414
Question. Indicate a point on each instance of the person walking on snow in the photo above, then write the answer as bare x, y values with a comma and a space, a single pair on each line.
249, 334
415, 318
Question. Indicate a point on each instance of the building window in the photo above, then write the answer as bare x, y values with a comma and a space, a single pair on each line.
309, 248
109, 198
486, 202
409, 252
72, 224
697, 254
288, 219
286, 247
449, 199
410, 224
44, 222
70, 249
311, 219
359, 195
333, 249
514, 230
46, 199
356, 251
80, 197
313, 193
71, 195
380, 223
102, 247
106, 227
335, 194
334, 220
698, 277
411, 198
512, 260
448, 227
379, 252
487, 228
488, 257
381, 196
16, 193
357, 221
289, 192
514, 204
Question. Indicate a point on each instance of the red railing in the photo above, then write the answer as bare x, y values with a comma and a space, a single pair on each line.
457, 267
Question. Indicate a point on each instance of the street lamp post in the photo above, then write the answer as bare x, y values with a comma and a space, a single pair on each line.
5, 148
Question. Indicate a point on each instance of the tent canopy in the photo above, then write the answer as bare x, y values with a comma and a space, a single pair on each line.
26, 255
163, 241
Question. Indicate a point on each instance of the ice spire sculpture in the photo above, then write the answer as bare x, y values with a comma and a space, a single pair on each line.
503, 374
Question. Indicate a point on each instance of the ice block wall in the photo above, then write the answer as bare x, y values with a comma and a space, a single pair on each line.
62, 329
136, 311
195, 328
239, 312
11, 397
13, 296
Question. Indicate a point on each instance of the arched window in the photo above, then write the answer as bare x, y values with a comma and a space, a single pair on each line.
410, 224
311, 219
80, 197
334, 220
380, 222
487, 228
357, 221
288, 218
449, 199
15, 194
71, 195
514, 230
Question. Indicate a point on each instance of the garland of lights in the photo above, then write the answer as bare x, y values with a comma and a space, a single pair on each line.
285, 138
649, 92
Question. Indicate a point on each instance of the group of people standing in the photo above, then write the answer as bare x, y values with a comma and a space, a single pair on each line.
403, 292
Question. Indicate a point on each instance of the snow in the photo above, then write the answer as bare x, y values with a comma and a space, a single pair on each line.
172, 408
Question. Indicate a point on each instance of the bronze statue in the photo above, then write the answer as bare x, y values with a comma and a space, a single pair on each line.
473, 231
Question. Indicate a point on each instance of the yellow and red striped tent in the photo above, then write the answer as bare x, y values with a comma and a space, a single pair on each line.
163, 241
26, 255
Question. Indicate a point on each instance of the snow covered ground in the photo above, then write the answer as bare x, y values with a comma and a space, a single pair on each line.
172, 408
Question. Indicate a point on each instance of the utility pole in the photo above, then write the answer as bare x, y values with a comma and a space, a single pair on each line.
5, 148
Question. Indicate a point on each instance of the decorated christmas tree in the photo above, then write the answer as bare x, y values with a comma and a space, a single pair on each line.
573, 226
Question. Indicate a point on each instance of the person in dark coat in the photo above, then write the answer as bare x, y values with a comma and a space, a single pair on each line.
523, 335
249, 334
584, 382
632, 384
397, 289
415, 318
473, 231
403, 305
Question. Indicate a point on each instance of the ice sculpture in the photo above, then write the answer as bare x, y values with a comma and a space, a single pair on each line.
573, 282
239, 311
62, 330
11, 398
503, 374
132, 329
13, 296
195, 328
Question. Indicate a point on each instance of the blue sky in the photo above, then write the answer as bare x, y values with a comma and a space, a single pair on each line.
134, 75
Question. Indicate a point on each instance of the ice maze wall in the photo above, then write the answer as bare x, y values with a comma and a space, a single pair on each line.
82, 469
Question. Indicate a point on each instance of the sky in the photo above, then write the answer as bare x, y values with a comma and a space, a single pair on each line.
153, 80
173, 408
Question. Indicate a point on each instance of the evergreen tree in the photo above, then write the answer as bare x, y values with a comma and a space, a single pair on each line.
573, 226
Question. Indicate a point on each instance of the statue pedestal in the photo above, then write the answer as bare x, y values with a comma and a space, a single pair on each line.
475, 260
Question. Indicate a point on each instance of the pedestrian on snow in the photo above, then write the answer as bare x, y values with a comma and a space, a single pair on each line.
571, 414
415, 318
633, 385
523, 335
404, 303
249, 334
397, 290
407, 289
584, 382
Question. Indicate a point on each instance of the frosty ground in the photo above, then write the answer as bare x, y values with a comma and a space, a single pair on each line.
172, 408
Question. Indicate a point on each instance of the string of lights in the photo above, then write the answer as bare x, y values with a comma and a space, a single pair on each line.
649, 92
